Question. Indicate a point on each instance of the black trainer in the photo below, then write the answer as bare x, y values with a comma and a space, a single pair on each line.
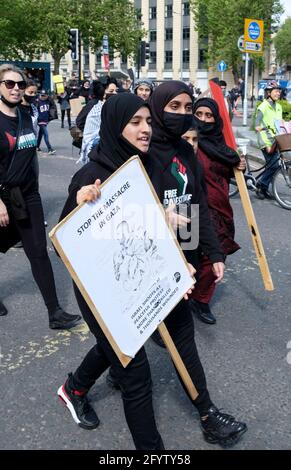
202, 311
221, 428
78, 405
61, 320
3, 309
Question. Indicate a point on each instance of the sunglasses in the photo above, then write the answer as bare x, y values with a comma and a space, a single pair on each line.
10, 84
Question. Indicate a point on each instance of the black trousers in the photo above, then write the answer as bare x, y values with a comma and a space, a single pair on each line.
135, 380
33, 237
63, 111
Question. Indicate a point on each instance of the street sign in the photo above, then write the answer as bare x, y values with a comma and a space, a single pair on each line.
241, 43
221, 66
253, 36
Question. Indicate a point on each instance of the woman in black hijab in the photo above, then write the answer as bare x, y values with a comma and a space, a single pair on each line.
181, 185
218, 161
125, 131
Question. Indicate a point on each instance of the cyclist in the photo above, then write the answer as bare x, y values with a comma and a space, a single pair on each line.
267, 113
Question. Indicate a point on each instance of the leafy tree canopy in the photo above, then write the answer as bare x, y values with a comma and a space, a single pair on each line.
283, 43
222, 22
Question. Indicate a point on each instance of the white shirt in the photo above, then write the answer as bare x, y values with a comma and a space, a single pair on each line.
91, 131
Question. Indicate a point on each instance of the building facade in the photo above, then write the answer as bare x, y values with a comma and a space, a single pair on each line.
175, 51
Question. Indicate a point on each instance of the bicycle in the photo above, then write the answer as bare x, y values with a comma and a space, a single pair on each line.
281, 180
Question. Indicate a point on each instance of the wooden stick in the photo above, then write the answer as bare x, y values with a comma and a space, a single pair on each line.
243, 191
256, 237
180, 366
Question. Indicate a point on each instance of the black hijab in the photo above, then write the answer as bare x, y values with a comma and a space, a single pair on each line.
164, 143
115, 115
211, 139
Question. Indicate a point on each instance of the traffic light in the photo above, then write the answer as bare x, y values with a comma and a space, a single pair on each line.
73, 42
144, 52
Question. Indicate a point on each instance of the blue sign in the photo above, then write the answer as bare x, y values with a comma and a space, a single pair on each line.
105, 45
254, 30
221, 66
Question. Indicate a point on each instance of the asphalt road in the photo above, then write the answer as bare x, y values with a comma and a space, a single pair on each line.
244, 354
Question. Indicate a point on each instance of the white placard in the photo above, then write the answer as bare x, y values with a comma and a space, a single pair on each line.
125, 257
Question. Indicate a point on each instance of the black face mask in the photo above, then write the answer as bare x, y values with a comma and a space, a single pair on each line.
177, 124
10, 105
205, 127
29, 98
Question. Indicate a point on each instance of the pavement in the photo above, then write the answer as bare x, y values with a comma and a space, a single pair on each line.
245, 132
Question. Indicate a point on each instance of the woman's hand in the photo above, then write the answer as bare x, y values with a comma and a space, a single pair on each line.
4, 217
242, 164
89, 193
192, 271
218, 271
174, 219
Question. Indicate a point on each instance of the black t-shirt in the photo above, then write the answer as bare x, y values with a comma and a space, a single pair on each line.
22, 173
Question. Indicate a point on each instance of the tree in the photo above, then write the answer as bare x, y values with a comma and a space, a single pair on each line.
283, 43
31, 27
222, 22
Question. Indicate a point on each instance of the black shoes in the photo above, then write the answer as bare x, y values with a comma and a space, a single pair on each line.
111, 380
78, 405
202, 311
263, 193
156, 337
221, 428
61, 320
3, 309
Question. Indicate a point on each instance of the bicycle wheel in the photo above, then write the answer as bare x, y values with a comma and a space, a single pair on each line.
233, 189
282, 186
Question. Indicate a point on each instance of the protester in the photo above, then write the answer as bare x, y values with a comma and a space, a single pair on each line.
125, 131
97, 91
85, 90
191, 136
44, 106
93, 121
64, 102
267, 113
227, 100
143, 88
29, 103
21, 212
218, 161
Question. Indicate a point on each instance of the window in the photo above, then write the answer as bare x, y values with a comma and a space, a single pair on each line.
98, 59
153, 57
168, 57
168, 11
153, 36
186, 56
153, 13
169, 34
186, 33
185, 9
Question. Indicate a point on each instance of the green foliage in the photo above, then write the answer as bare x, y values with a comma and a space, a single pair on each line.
283, 43
32, 27
286, 108
222, 21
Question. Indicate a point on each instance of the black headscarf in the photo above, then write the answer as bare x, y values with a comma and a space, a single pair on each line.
211, 139
115, 115
164, 143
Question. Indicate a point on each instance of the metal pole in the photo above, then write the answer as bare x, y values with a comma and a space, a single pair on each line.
245, 115
80, 58
222, 75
